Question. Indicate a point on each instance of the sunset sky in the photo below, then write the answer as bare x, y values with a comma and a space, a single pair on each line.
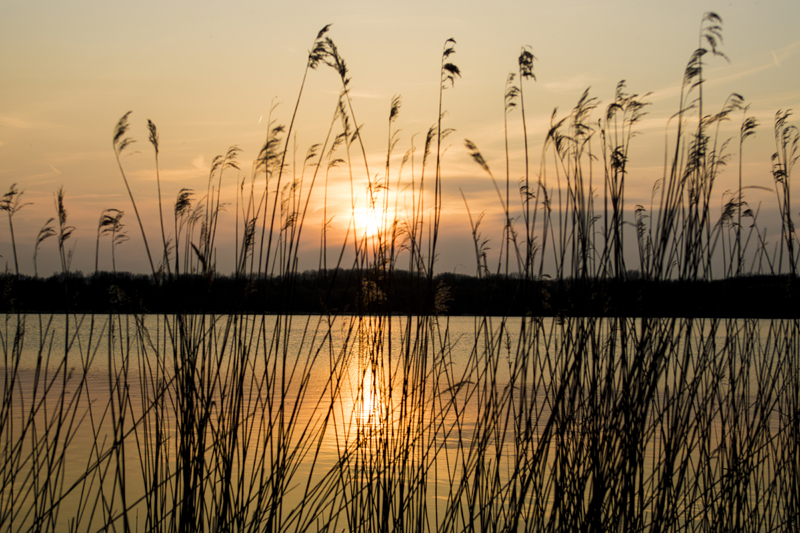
207, 74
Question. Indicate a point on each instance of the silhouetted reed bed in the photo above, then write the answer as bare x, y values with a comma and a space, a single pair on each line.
373, 420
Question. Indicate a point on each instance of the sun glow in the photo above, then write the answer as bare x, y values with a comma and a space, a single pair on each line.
367, 222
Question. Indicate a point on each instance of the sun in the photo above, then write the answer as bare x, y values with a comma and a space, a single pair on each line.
367, 221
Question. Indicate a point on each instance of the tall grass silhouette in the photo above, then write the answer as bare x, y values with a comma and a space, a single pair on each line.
360, 419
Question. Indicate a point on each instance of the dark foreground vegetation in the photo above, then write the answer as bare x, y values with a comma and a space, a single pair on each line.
383, 413
340, 292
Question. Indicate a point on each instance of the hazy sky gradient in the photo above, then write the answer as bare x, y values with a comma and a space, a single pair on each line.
208, 73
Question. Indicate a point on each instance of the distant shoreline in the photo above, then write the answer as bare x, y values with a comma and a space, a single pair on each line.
350, 292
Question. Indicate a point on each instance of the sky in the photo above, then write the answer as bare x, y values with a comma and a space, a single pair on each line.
213, 75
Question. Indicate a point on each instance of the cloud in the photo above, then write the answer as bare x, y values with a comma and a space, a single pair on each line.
712, 79
93, 196
781, 54
78, 156
199, 163
577, 82
44, 177
367, 95
186, 176
21, 122
14, 122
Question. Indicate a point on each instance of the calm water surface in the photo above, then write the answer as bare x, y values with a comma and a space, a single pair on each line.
351, 402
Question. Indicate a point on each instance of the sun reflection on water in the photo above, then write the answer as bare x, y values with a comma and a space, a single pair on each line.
369, 399
367, 367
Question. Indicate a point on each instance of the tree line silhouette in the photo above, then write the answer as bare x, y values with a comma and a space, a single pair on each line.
342, 291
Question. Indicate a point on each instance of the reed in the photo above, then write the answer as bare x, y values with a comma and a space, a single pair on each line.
11, 203
360, 419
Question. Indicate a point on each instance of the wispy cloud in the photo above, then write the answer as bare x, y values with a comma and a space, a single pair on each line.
366, 95
15, 122
186, 175
47, 176
776, 59
782, 54
359, 94
578, 82
76, 197
63, 158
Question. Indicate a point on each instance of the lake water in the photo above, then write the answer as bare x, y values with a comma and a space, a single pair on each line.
375, 423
